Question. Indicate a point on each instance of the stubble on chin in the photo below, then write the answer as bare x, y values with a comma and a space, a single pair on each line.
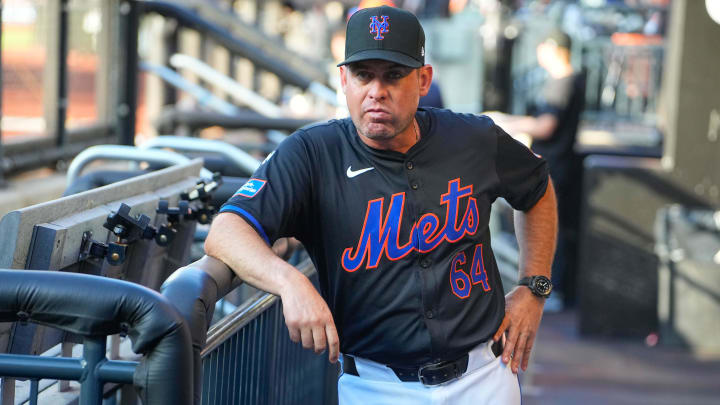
384, 132
377, 134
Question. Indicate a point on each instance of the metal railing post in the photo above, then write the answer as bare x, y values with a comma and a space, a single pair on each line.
171, 38
65, 351
93, 356
62, 76
34, 391
7, 391
2, 177
128, 72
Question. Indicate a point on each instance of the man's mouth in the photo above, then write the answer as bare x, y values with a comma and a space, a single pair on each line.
377, 114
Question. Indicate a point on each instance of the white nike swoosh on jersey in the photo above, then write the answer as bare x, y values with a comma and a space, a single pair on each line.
352, 173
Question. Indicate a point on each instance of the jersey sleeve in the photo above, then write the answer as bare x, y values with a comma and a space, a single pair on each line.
523, 175
275, 199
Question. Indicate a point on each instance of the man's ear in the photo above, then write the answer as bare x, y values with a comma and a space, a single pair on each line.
425, 78
343, 78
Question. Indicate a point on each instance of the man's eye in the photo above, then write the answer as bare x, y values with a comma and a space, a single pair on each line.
363, 75
396, 74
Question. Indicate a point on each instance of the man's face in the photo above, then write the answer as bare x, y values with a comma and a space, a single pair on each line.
382, 96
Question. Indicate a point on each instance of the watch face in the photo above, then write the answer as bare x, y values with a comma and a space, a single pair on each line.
542, 286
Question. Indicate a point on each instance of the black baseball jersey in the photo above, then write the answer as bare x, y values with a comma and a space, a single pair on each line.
400, 241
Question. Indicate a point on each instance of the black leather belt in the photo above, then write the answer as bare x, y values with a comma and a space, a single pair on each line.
429, 374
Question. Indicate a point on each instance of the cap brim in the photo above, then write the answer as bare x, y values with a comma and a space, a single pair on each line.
383, 54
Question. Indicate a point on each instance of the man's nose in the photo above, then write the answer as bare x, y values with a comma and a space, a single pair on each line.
378, 89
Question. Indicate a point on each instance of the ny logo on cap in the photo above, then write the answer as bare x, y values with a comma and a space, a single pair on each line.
378, 28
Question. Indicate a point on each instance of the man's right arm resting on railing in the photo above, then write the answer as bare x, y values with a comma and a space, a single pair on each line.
307, 316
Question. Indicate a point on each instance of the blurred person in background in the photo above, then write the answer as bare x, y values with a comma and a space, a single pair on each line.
553, 130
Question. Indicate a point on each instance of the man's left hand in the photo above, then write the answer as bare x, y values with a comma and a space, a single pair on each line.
523, 312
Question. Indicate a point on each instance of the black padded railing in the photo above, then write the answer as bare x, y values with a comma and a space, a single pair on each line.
95, 307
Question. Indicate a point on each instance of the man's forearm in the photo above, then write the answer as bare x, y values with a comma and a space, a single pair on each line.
307, 315
540, 127
536, 232
236, 243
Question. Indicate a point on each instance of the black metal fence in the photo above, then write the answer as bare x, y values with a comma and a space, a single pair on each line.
250, 359
246, 357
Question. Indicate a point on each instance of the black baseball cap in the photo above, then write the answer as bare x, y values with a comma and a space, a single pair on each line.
385, 33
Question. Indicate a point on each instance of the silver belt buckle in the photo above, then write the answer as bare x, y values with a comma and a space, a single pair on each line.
455, 372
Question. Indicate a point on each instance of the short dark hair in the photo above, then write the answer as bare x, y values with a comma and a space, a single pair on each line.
558, 38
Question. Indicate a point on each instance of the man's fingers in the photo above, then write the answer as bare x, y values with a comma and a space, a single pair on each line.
519, 354
501, 329
318, 335
510, 344
333, 343
307, 338
528, 349
294, 334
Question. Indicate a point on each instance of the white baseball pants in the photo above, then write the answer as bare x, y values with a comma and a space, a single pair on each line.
487, 381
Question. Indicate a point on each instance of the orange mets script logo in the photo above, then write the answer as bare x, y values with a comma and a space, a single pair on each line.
378, 28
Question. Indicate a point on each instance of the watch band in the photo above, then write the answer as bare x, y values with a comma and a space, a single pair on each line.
540, 286
525, 281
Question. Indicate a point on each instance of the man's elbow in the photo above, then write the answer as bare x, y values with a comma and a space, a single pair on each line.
213, 240
210, 245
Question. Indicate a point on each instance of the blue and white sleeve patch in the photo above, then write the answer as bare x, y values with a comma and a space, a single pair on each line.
251, 188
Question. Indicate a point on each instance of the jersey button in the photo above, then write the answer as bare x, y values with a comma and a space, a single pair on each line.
425, 263
429, 314
414, 186
409, 165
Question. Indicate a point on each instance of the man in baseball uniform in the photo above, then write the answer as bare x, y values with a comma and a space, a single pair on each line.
392, 205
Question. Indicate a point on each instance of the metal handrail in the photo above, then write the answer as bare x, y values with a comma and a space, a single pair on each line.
235, 155
244, 314
324, 93
236, 90
202, 95
126, 153
195, 120
226, 17
259, 56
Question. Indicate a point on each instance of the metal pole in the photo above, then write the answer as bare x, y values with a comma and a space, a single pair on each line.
2, 177
28, 366
117, 371
128, 72
171, 38
7, 391
34, 391
65, 351
62, 73
91, 390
